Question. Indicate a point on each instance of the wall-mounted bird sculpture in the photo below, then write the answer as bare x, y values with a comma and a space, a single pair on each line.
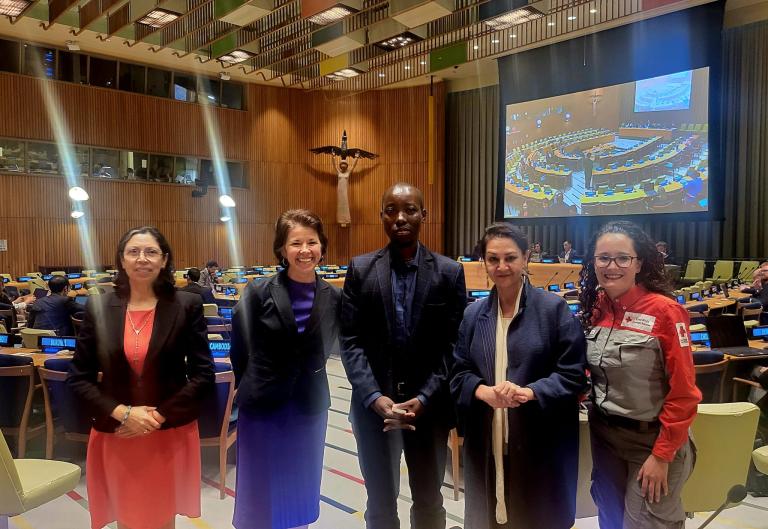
343, 172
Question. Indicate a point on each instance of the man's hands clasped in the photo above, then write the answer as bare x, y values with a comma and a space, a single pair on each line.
398, 415
504, 395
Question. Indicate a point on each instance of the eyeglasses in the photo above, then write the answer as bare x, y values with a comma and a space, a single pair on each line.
622, 261
151, 254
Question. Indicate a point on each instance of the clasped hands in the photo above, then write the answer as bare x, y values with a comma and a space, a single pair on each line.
504, 395
398, 415
142, 420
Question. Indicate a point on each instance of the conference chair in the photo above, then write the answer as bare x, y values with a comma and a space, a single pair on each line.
214, 424
760, 459
724, 435
17, 389
750, 313
698, 317
61, 408
29, 483
722, 273
746, 268
29, 336
76, 323
8, 316
694, 271
710, 369
585, 505
455, 442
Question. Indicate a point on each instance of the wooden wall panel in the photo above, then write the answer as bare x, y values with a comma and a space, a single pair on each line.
273, 136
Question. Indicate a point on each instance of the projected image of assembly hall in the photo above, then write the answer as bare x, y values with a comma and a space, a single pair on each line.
634, 148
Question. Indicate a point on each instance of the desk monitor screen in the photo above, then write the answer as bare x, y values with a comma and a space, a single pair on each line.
577, 260
225, 312
219, 348
681, 299
696, 296
760, 331
77, 286
219, 288
230, 291
700, 337
574, 307
23, 279
219, 273
47, 277
549, 260
635, 131
54, 344
74, 276
5, 340
464, 259
343, 267
241, 280
81, 300
569, 285
331, 276
479, 294
553, 288
6, 280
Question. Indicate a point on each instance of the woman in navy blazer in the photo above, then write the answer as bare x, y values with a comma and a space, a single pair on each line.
518, 373
283, 331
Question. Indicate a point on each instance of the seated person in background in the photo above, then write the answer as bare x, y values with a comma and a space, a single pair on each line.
568, 252
759, 286
54, 312
536, 253
17, 305
663, 248
692, 172
193, 276
208, 276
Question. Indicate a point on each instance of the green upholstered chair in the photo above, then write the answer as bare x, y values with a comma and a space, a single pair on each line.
694, 271
724, 436
745, 271
722, 273
29, 483
760, 458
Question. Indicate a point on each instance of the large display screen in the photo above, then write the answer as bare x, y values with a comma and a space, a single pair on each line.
635, 148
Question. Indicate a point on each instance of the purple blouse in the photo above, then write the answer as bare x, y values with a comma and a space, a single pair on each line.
302, 297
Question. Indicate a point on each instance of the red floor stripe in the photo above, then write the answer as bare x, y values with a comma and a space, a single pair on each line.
345, 475
74, 495
215, 485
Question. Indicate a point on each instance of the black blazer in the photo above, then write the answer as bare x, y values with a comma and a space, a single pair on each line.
273, 363
53, 312
367, 347
178, 370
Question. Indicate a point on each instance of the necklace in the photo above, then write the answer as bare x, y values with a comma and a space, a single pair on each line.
137, 332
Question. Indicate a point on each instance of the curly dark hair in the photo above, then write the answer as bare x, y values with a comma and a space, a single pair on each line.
165, 284
651, 275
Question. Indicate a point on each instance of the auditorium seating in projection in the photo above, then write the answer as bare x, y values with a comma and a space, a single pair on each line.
634, 148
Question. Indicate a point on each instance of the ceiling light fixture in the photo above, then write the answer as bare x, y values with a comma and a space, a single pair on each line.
407, 66
224, 76
495, 41
550, 24
236, 56
381, 74
77, 214
593, 10
78, 194
225, 218
572, 17
344, 73
226, 201
13, 8
513, 18
73, 45
333, 14
399, 41
158, 18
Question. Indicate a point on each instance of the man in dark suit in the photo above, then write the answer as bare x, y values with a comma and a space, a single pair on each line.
54, 311
193, 276
568, 252
401, 308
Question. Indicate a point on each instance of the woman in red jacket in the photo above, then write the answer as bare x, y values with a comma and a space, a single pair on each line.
644, 394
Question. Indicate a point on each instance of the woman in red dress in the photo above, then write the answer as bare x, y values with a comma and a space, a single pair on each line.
149, 341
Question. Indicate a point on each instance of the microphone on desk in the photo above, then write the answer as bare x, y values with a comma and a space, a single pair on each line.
551, 278
735, 495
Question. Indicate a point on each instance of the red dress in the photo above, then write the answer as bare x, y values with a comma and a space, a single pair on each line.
143, 482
